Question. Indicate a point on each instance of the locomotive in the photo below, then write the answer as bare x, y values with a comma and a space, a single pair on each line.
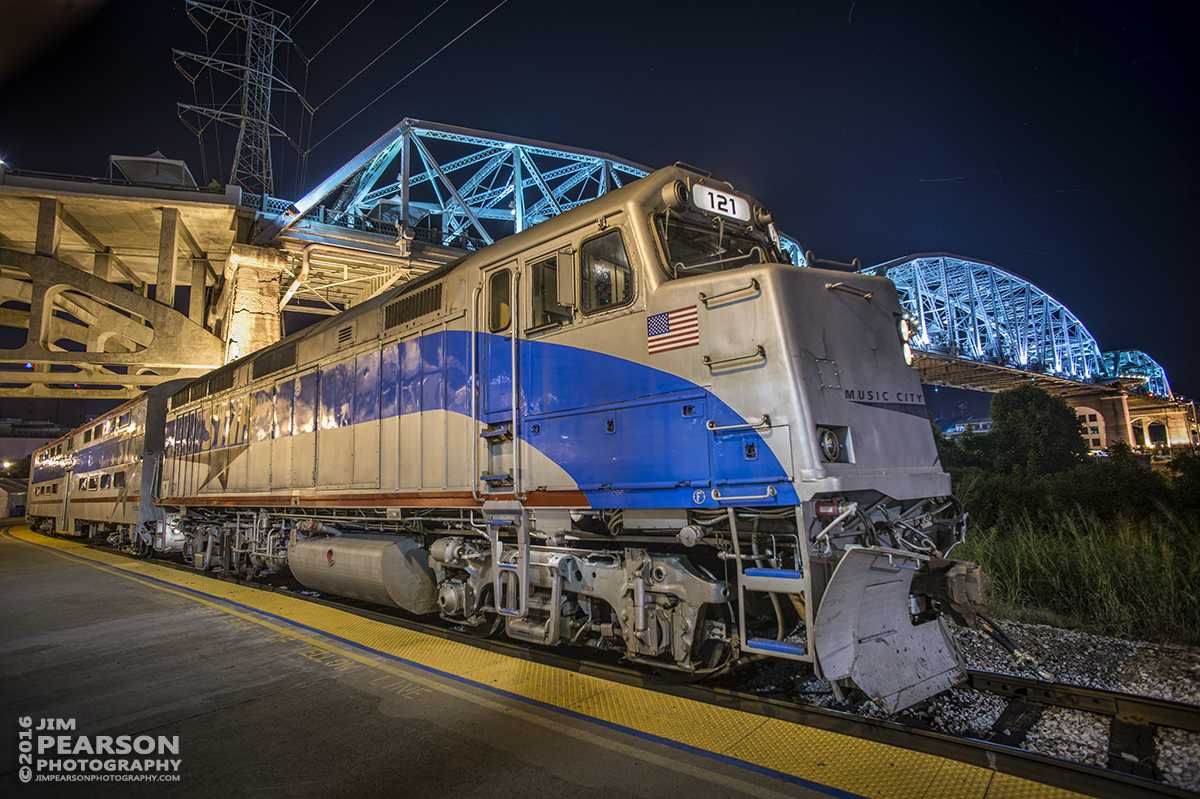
634, 426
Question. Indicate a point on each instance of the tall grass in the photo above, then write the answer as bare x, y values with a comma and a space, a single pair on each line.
1132, 577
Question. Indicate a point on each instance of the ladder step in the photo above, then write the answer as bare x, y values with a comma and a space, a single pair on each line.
788, 574
776, 581
496, 478
771, 645
503, 431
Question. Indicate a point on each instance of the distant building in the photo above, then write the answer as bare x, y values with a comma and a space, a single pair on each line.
19, 438
1093, 428
975, 426
13, 491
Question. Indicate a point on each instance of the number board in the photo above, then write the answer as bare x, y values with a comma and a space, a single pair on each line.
715, 201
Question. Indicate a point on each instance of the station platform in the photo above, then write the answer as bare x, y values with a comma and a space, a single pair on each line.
267, 695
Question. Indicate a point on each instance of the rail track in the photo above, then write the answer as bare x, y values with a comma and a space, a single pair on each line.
1133, 719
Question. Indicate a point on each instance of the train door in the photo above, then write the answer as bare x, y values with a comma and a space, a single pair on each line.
64, 511
497, 361
549, 299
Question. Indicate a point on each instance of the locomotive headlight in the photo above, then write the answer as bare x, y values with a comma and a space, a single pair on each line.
829, 444
907, 329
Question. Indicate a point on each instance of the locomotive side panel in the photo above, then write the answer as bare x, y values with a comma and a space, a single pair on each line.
259, 460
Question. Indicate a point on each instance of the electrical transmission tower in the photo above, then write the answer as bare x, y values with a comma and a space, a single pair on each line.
264, 28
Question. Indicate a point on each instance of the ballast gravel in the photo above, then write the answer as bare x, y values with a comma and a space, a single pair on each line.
1161, 671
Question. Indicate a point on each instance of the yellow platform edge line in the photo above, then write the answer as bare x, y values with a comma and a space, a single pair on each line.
818, 759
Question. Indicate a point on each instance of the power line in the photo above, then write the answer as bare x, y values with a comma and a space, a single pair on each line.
302, 14
406, 77
381, 55
343, 30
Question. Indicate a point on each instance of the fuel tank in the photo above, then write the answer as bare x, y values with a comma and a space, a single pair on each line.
387, 571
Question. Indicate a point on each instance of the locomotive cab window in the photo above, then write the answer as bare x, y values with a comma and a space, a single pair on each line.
499, 301
605, 279
693, 248
545, 308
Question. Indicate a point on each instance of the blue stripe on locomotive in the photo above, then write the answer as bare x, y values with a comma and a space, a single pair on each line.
629, 435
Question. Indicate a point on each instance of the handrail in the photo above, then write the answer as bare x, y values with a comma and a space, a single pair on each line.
514, 301
846, 287
759, 352
717, 496
752, 286
765, 423
475, 390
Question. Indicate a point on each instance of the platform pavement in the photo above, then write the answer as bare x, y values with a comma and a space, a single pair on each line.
273, 696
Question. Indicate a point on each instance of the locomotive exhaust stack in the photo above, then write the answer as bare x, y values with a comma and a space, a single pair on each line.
634, 426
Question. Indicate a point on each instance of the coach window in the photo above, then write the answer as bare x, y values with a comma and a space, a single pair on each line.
119, 480
606, 280
87, 435
92, 483
543, 286
499, 301
82, 483
54, 488
105, 481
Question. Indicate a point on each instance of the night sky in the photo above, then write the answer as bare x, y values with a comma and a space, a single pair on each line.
1055, 139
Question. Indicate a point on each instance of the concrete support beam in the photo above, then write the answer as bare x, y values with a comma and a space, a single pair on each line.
104, 317
49, 215
79, 230
168, 255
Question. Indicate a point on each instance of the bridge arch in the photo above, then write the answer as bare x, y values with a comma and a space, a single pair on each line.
1135, 363
979, 311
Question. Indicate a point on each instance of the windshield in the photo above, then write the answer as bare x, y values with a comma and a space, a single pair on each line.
693, 249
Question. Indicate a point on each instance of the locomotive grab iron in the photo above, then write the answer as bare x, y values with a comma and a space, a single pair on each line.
634, 426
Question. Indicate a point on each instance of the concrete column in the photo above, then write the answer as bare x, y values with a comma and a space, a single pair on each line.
168, 254
39, 319
47, 227
1114, 409
1178, 432
196, 306
102, 266
253, 282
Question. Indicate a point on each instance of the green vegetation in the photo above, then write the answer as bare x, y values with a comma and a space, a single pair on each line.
1100, 543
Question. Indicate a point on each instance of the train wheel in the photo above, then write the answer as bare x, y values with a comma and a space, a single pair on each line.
710, 658
491, 627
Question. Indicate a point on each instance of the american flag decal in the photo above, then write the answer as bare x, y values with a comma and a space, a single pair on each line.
673, 330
